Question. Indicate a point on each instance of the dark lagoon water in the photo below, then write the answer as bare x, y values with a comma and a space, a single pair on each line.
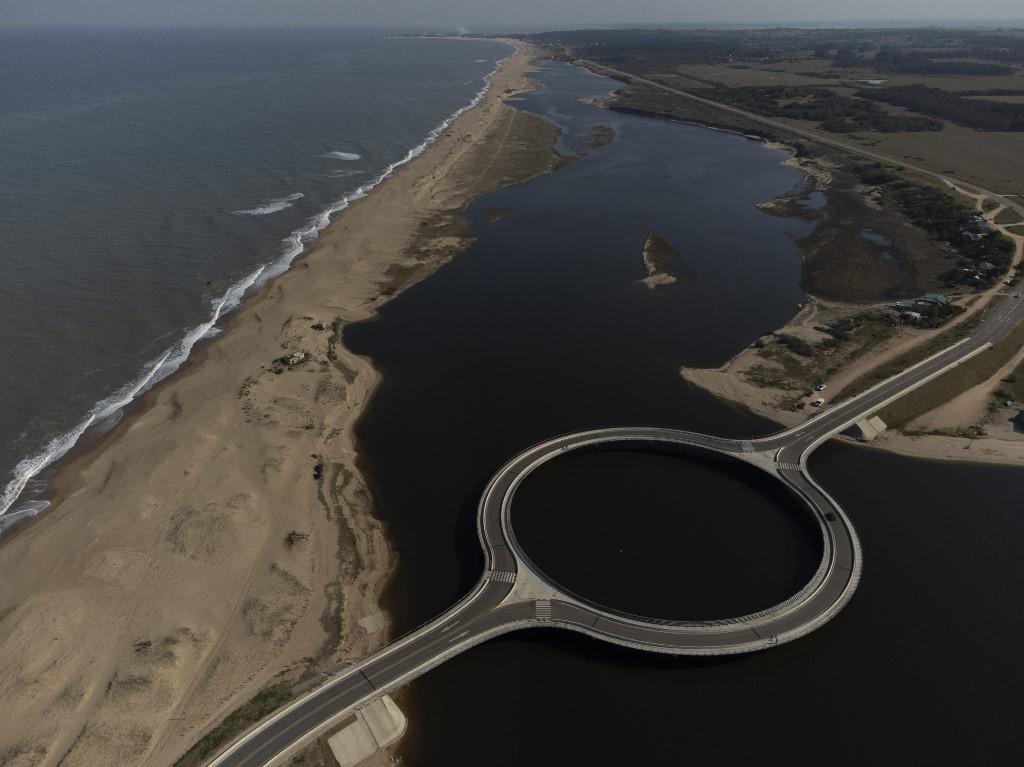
678, 536
922, 667
539, 329
147, 178
542, 327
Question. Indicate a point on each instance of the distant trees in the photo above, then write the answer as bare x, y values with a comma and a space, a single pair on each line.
835, 113
950, 221
889, 59
971, 113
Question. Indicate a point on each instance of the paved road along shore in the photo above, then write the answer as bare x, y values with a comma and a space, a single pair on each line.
620, 74
513, 594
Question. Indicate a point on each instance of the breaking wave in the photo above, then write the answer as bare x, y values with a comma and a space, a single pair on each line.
159, 368
346, 156
271, 207
155, 371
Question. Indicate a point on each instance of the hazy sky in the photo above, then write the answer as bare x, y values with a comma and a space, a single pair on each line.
478, 13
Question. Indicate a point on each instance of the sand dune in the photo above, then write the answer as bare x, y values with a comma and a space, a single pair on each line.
191, 558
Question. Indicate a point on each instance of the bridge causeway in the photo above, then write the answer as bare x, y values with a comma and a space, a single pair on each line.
513, 594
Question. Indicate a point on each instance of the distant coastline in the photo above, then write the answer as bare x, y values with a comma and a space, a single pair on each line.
169, 361
220, 538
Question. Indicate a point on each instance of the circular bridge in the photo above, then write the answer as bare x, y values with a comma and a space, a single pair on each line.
514, 594
828, 590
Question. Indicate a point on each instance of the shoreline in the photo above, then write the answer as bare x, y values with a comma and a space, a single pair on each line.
725, 382
728, 384
220, 536
294, 246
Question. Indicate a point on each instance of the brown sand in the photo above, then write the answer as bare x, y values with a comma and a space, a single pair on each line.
161, 591
970, 408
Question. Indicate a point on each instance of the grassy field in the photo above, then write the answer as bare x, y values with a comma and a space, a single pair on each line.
752, 66
974, 371
840, 262
1008, 217
911, 358
1014, 384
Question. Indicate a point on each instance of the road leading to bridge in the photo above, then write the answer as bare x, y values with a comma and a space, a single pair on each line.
513, 594
1010, 201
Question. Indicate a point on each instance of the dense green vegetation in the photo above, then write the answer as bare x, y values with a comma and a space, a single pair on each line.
997, 47
923, 51
993, 92
971, 113
840, 55
945, 219
895, 61
835, 113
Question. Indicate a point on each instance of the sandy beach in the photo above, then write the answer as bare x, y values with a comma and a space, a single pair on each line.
221, 539
1002, 445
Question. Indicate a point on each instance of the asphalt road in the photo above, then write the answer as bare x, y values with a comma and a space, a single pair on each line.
513, 594
809, 135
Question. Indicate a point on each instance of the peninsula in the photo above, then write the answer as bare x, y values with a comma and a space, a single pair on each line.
218, 547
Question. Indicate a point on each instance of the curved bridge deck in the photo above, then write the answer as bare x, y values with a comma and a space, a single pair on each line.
513, 594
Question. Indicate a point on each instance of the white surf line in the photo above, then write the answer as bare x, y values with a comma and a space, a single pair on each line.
273, 206
155, 371
294, 245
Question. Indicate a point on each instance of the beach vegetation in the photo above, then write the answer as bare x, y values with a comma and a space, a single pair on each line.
262, 704
908, 359
295, 537
769, 377
973, 372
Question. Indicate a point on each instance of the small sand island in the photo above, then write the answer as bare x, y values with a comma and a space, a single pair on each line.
599, 136
659, 258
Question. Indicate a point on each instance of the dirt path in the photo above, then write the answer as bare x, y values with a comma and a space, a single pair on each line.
807, 134
730, 383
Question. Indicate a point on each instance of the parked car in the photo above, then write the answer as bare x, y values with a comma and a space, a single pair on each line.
821, 387
818, 403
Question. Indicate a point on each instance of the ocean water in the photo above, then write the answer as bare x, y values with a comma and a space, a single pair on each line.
149, 178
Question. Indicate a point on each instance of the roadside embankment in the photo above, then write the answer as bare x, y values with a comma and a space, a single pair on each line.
851, 347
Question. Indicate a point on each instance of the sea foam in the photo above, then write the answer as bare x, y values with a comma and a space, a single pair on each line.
346, 156
164, 365
271, 207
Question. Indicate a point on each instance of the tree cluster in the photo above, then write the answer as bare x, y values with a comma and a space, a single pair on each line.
970, 113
